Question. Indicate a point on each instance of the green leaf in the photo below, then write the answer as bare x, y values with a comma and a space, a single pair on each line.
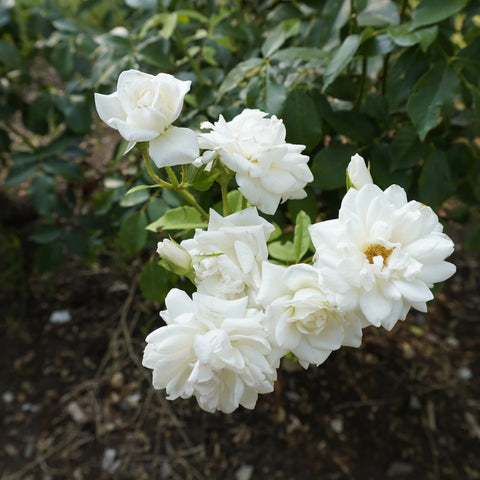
202, 180
379, 13
301, 236
169, 24
235, 200
329, 166
62, 58
5, 141
156, 207
238, 73
433, 11
180, 218
45, 233
68, 170
275, 95
42, 194
473, 238
135, 198
277, 37
299, 53
76, 112
154, 282
137, 188
376, 45
48, 257
403, 75
77, 242
335, 15
301, 119
155, 52
434, 184
283, 251
133, 234
9, 54
353, 125
432, 92
407, 150
341, 59
404, 37
103, 201
19, 173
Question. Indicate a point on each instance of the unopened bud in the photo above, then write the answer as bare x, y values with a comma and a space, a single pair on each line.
358, 174
174, 256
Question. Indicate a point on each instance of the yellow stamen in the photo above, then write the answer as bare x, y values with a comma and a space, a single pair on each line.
376, 250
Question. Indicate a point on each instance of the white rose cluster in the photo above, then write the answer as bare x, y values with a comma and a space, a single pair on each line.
223, 345
378, 259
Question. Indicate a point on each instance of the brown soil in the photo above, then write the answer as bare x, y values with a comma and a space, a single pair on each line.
77, 404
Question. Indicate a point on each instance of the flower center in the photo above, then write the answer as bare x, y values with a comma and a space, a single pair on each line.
376, 250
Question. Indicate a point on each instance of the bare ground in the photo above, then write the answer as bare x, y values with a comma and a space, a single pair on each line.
77, 404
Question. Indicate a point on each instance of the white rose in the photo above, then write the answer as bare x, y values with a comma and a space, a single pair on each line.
216, 350
227, 257
358, 172
385, 252
143, 109
267, 169
302, 316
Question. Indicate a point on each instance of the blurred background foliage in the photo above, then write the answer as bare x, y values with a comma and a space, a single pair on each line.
396, 81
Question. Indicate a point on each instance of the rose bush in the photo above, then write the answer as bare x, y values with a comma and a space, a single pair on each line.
379, 258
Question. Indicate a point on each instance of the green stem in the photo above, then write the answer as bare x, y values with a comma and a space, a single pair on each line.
180, 188
184, 175
403, 10
190, 199
244, 203
386, 60
144, 151
353, 27
361, 87
226, 206
171, 175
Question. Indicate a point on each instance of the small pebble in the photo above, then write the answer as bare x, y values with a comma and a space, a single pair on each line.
60, 316
464, 373
8, 397
336, 424
77, 413
397, 469
109, 462
245, 472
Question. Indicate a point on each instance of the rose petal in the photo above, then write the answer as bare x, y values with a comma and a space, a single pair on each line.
176, 146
